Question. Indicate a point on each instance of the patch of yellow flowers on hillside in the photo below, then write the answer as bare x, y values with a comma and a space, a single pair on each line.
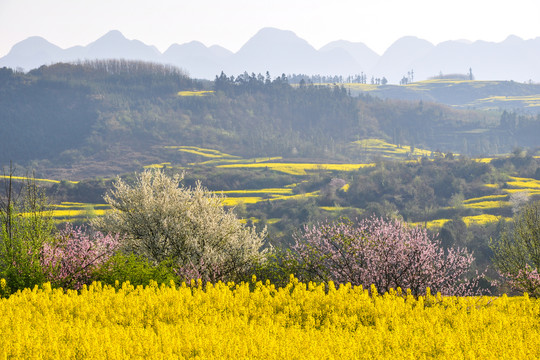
299, 168
259, 321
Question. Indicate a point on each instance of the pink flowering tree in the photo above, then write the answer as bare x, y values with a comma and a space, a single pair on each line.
388, 254
525, 280
74, 257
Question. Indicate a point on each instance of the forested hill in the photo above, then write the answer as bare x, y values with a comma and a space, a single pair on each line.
105, 117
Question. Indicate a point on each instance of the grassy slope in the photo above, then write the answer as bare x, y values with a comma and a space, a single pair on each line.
486, 207
461, 93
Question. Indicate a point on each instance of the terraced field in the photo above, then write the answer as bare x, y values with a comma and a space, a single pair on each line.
468, 220
77, 212
461, 93
207, 153
369, 147
485, 209
258, 195
497, 102
298, 168
488, 206
195, 93
378, 147
523, 184
24, 178
491, 203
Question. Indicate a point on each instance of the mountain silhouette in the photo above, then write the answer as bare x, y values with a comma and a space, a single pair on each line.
114, 45
282, 51
364, 56
31, 53
196, 59
274, 50
397, 60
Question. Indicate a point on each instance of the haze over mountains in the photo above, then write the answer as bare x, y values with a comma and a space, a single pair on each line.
281, 51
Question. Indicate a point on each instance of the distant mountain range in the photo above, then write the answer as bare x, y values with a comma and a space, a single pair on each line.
281, 51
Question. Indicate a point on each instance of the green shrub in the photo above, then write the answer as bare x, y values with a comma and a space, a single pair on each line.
26, 225
136, 269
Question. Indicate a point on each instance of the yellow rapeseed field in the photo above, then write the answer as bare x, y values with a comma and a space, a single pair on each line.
260, 321
271, 195
195, 93
488, 198
74, 210
234, 201
257, 191
481, 219
34, 179
74, 213
526, 100
487, 205
209, 153
338, 208
387, 149
298, 168
524, 183
483, 160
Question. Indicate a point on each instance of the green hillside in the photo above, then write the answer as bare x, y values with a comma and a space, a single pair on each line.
77, 121
484, 95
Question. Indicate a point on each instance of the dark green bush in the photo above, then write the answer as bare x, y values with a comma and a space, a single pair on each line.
135, 269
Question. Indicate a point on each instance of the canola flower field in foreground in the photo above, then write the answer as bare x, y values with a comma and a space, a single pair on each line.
260, 321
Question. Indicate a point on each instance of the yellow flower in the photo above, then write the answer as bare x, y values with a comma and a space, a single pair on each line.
241, 321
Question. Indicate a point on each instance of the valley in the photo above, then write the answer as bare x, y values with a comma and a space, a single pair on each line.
281, 155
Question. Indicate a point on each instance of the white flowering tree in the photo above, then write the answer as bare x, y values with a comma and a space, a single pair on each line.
164, 220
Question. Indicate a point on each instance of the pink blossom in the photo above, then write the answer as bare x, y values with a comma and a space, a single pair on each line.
388, 254
72, 259
525, 280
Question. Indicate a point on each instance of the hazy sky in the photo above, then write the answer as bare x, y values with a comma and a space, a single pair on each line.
230, 23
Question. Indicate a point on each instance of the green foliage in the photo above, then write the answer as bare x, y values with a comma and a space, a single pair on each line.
517, 251
277, 267
26, 226
136, 269
118, 113
417, 190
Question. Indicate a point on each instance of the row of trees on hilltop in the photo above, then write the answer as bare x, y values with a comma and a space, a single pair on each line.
139, 78
306, 79
330, 79
250, 83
